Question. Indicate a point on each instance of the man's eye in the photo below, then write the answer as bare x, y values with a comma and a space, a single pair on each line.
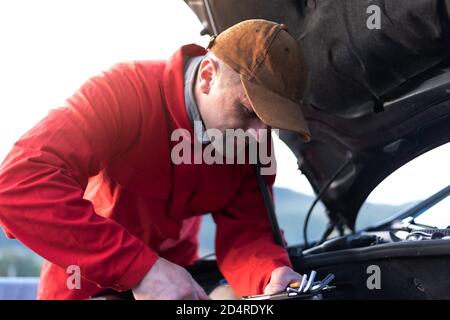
247, 112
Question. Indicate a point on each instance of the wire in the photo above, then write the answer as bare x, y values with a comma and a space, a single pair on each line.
207, 256
268, 203
319, 196
211, 17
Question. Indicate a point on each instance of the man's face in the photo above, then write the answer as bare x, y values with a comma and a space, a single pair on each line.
222, 101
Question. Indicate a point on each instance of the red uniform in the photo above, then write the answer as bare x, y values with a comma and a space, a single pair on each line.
93, 185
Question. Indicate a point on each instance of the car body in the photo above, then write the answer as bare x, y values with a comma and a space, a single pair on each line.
376, 98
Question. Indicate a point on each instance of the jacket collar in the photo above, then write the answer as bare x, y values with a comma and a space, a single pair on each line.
173, 85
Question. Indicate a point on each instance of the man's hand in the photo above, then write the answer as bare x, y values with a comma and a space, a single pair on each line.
280, 278
168, 281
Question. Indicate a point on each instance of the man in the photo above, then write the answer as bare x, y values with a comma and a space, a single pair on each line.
93, 189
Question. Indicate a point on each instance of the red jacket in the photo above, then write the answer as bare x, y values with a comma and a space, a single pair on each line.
93, 185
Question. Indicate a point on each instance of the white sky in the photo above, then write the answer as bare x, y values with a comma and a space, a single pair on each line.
48, 48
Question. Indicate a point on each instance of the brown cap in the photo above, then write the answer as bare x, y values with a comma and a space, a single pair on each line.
272, 70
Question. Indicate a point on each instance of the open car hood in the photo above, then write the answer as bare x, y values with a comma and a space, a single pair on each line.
375, 99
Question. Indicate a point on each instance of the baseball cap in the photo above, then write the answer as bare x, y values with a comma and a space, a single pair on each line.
272, 69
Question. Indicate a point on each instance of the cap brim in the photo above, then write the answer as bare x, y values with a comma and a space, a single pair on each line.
275, 110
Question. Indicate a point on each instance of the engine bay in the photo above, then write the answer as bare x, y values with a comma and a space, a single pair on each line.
403, 231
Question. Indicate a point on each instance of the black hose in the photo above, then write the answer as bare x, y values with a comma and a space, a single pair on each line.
319, 196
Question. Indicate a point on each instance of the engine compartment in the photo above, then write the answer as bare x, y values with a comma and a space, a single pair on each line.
410, 261
373, 238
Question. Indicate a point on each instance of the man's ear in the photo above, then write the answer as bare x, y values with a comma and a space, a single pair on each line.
207, 74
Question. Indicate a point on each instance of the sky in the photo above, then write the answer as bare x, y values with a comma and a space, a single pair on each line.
48, 48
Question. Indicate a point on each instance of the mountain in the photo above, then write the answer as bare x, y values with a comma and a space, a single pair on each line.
16, 259
291, 208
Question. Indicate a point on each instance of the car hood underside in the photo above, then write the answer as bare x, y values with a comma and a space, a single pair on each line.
375, 98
